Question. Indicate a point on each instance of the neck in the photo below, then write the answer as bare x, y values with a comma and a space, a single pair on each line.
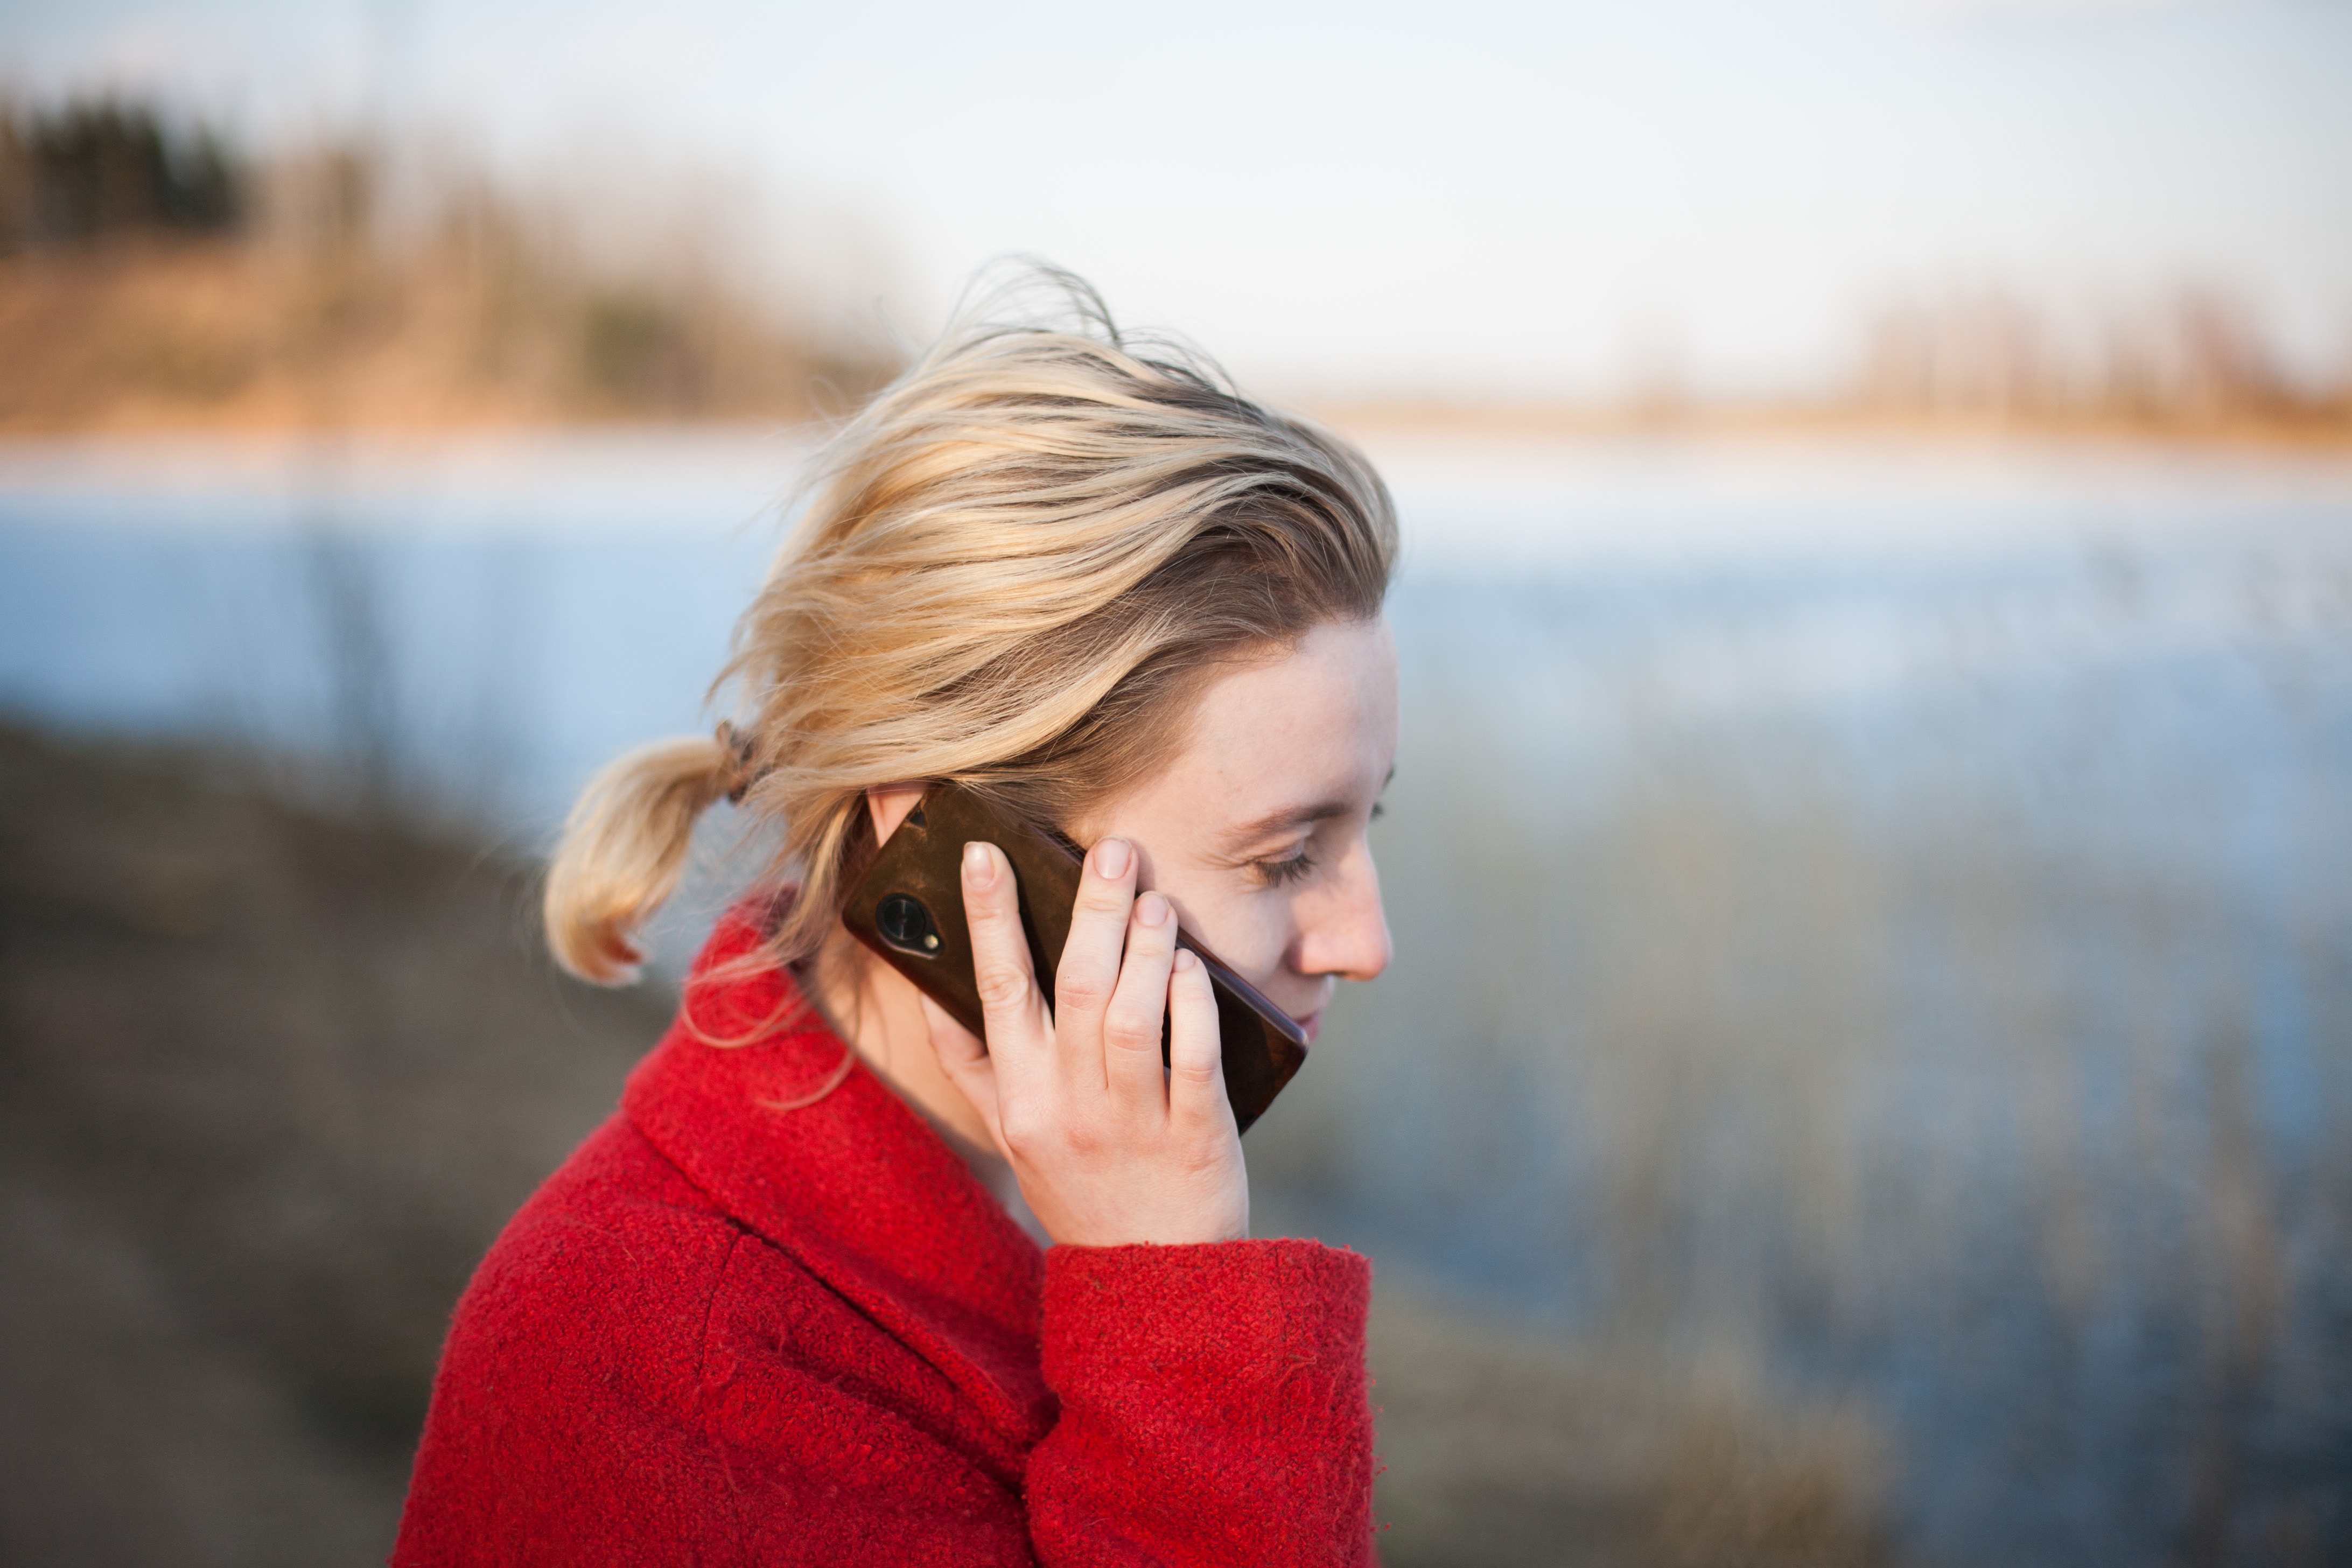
880, 1014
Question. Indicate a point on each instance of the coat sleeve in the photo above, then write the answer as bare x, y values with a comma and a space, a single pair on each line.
1214, 1406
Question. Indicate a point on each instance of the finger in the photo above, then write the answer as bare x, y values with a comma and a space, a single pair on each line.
1088, 970
1196, 1074
963, 1057
1018, 1036
1131, 1026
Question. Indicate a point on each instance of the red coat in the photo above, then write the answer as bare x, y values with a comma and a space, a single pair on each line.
726, 1332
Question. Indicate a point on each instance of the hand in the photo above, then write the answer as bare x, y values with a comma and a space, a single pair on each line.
1109, 1148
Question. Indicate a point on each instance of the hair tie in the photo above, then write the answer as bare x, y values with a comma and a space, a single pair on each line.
739, 747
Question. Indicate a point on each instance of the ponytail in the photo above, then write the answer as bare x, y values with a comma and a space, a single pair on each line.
624, 848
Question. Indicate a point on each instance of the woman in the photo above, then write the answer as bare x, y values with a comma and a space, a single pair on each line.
773, 1312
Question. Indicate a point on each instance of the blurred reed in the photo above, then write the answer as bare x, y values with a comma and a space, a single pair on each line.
1898, 1081
2191, 358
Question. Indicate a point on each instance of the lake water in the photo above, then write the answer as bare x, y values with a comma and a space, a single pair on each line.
1882, 916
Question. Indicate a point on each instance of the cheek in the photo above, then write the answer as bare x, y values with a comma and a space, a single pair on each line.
1252, 934
1249, 931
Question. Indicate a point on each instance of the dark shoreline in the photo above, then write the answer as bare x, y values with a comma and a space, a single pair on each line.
273, 1080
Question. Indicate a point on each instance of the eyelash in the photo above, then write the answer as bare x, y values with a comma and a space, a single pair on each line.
1281, 873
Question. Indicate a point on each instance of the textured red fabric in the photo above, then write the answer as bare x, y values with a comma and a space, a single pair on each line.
727, 1332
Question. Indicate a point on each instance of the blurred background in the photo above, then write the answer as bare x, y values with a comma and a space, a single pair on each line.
1867, 1074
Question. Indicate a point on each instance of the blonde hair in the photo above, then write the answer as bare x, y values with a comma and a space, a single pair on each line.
1016, 568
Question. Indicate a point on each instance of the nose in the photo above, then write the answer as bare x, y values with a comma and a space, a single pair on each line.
1346, 933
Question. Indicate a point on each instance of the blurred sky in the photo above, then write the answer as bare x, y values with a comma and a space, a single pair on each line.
1370, 199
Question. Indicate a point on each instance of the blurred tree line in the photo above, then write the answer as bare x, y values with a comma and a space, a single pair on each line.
88, 171
151, 271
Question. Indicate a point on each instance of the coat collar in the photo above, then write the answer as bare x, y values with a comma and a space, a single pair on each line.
854, 1186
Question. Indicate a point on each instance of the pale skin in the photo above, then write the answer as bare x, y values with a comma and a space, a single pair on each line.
1253, 836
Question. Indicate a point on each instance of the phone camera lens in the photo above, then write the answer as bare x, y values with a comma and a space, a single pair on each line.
905, 924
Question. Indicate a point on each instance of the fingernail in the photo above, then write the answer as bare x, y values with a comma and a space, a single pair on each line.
1150, 909
977, 866
1184, 960
1110, 858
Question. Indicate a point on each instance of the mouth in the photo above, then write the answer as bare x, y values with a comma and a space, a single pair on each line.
1312, 1024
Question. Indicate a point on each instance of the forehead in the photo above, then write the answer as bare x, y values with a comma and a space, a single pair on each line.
1310, 725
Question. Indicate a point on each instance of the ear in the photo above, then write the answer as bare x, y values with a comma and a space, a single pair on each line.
888, 804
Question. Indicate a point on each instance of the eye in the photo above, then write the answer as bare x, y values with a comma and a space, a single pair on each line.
1378, 811
1283, 872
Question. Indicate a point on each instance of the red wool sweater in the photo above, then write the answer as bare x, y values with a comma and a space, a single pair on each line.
726, 1332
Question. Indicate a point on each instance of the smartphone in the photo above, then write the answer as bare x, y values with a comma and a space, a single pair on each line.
908, 907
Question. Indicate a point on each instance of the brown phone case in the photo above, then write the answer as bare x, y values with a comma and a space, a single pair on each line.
908, 907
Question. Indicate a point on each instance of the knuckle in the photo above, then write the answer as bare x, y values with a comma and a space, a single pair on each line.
1103, 899
1021, 1125
1075, 988
989, 915
1002, 986
1131, 1031
1201, 1159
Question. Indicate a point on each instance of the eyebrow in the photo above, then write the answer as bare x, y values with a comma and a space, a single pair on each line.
1286, 820
1290, 818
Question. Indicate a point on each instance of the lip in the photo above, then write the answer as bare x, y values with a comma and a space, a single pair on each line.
1312, 1024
